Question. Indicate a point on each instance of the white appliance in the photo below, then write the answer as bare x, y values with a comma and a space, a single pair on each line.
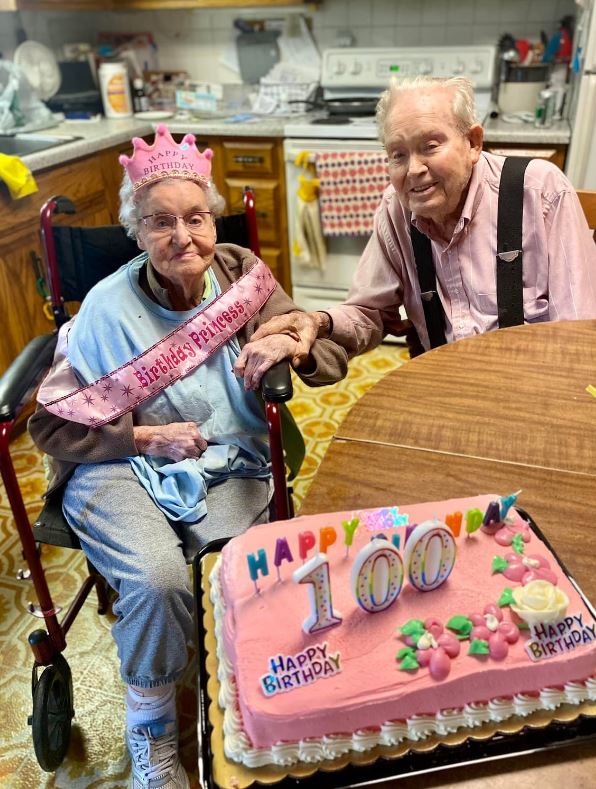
581, 158
355, 76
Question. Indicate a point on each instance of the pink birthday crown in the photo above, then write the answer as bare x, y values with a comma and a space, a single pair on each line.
167, 159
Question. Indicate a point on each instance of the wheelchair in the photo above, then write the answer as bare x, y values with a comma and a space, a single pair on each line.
76, 258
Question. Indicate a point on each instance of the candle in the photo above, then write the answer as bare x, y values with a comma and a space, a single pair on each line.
349, 528
306, 541
454, 522
315, 573
409, 529
429, 555
492, 518
377, 575
282, 551
507, 502
473, 520
257, 564
327, 536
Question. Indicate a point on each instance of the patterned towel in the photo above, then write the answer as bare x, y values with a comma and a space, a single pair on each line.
351, 185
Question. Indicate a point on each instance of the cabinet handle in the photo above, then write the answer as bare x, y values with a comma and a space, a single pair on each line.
248, 159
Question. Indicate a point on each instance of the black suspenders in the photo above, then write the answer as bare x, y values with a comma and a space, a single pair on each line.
510, 303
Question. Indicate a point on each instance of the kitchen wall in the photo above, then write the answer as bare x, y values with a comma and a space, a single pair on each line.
198, 40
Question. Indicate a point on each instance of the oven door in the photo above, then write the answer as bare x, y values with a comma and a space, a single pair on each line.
319, 288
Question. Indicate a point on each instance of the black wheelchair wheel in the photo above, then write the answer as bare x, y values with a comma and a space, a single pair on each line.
52, 713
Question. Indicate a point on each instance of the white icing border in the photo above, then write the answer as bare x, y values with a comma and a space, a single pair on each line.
237, 745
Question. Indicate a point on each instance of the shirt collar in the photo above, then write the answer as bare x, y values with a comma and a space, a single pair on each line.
475, 189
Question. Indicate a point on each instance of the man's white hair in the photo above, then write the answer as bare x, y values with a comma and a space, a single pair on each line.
463, 105
129, 201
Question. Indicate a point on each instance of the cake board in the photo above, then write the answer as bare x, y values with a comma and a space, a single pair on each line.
513, 738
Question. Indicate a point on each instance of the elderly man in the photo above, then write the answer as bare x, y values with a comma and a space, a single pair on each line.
434, 246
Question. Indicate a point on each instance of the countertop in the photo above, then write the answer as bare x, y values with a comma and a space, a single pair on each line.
498, 130
99, 135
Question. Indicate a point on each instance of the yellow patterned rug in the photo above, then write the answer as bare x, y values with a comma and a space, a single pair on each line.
97, 757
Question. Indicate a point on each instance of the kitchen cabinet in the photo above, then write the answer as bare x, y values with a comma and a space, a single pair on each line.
87, 182
554, 153
92, 183
257, 163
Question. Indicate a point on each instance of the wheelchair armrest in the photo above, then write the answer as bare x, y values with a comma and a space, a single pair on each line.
25, 373
276, 385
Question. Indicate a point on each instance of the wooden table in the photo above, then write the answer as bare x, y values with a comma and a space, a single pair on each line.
494, 413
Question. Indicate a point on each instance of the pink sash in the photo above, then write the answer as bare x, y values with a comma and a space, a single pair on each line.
173, 357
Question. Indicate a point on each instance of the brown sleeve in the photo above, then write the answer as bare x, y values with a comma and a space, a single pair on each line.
76, 443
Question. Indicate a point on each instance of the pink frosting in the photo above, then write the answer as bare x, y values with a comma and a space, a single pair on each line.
371, 688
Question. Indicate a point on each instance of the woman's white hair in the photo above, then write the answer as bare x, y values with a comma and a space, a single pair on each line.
129, 202
463, 104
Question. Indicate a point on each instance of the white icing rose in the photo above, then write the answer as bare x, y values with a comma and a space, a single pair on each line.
539, 602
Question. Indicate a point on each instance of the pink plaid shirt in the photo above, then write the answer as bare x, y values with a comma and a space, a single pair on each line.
559, 264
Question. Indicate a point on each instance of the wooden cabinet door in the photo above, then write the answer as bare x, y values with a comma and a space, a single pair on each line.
552, 153
267, 202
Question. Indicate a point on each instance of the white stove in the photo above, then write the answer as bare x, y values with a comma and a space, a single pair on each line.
353, 75
354, 79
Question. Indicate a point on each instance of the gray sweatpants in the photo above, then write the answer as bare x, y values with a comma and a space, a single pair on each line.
143, 556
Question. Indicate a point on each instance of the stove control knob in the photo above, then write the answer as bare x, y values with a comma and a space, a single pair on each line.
339, 67
425, 67
356, 67
459, 67
477, 67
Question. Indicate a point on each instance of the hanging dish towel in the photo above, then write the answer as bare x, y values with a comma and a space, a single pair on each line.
351, 185
308, 245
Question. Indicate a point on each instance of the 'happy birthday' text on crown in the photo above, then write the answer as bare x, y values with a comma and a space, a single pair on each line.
165, 158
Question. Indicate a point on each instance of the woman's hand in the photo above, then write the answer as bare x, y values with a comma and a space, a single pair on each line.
258, 356
176, 441
303, 327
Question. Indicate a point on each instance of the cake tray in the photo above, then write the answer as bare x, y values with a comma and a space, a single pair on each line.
512, 738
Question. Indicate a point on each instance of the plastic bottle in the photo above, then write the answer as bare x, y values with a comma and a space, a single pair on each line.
139, 99
115, 91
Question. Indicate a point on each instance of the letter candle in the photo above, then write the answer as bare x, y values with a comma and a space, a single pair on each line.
507, 502
473, 520
349, 528
255, 564
282, 551
327, 536
306, 541
454, 522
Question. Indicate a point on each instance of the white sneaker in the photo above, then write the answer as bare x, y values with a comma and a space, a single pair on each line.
154, 753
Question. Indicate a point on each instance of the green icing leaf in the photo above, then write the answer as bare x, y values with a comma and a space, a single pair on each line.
409, 663
461, 625
523, 626
517, 543
405, 652
478, 647
506, 597
499, 564
413, 628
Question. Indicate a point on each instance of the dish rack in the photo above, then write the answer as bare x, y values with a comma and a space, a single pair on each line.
290, 96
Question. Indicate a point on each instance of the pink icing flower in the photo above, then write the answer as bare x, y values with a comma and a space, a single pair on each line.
490, 626
524, 569
504, 536
435, 648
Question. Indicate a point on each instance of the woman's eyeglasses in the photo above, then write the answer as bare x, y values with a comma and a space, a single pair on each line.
196, 222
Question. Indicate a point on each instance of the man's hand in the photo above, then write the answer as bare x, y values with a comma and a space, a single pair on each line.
258, 356
303, 327
176, 441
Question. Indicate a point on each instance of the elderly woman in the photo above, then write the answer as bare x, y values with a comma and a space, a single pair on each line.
161, 446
